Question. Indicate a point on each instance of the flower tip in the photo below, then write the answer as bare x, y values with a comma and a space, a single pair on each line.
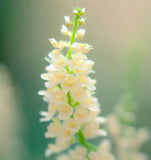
79, 11
41, 92
43, 113
53, 42
44, 76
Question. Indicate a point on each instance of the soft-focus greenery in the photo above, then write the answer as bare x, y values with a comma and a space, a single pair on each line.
116, 30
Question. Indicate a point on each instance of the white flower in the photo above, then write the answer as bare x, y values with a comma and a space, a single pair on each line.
55, 53
78, 91
60, 44
57, 95
53, 128
65, 31
67, 21
60, 62
65, 135
63, 44
81, 66
51, 68
69, 82
81, 21
93, 129
82, 11
72, 124
78, 47
91, 103
82, 115
80, 33
65, 111
79, 11
46, 117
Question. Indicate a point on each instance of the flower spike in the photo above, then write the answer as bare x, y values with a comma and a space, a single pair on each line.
73, 110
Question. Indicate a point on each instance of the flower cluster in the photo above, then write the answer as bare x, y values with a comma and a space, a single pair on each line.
73, 109
79, 153
127, 140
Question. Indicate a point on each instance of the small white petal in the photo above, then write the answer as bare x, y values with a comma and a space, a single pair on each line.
42, 92
46, 76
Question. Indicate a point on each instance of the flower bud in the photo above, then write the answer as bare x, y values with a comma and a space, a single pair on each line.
81, 21
54, 42
80, 33
67, 21
65, 31
82, 11
75, 12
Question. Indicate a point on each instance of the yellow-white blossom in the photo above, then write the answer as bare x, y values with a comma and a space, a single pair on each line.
81, 21
93, 129
76, 11
72, 124
82, 115
65, 111
53, 128
64, 30
60, 44
67, 21
81, 47
80, 33
73, 109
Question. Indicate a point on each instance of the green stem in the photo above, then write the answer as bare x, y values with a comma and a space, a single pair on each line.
80, 137
76, 18
90, 147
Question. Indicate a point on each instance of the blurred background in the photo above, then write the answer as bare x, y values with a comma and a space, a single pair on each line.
118, 30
